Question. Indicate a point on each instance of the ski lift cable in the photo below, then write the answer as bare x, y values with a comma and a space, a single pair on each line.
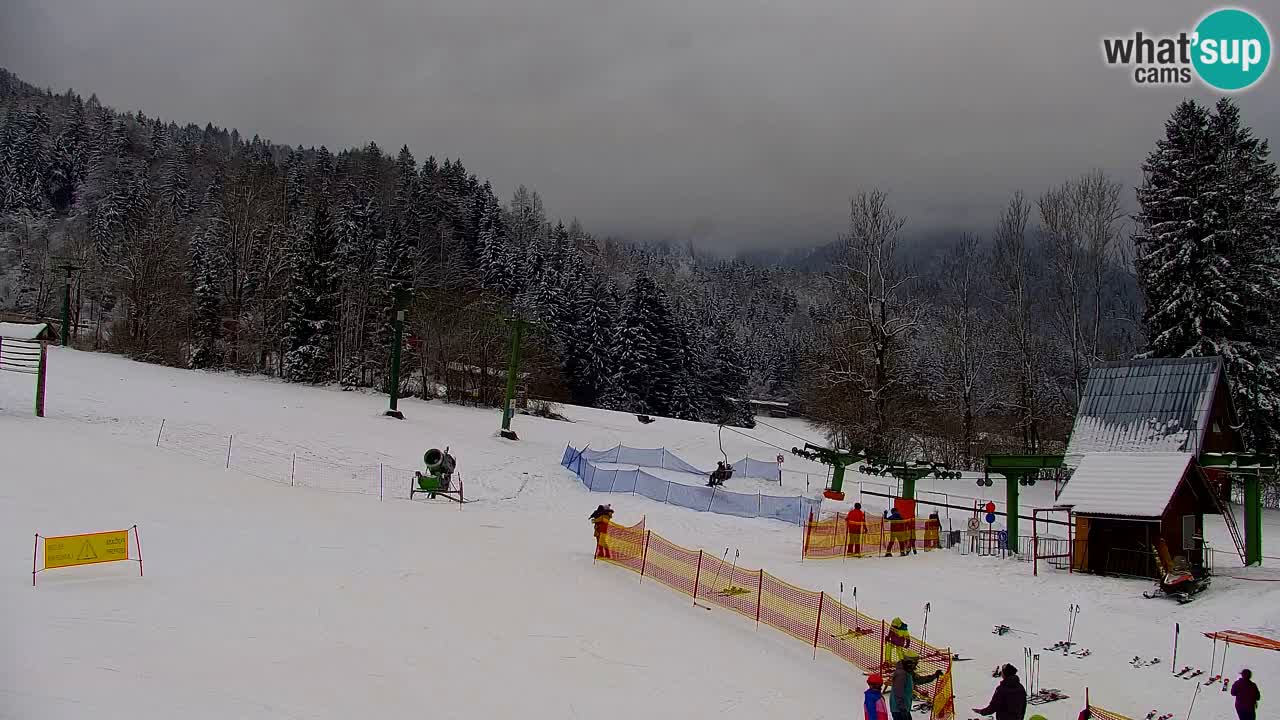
762, 442
785, 432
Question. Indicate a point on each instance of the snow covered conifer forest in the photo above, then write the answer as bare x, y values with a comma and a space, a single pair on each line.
204, 248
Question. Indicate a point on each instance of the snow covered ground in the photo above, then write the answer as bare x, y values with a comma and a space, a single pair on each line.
262, 600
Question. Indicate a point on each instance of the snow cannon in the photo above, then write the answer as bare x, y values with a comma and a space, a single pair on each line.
438, 478
439, 463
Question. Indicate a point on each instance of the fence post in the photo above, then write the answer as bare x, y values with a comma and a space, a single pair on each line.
40, 373
882, 636
818, 625
293, 466
759, 597
759, 504
644, 555
808, 528
1035, 546
668, 495
160, 432
380, 482
696, 576
229, 437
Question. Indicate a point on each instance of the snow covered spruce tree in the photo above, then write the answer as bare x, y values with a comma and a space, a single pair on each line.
208, 269
1208, 255
309, 330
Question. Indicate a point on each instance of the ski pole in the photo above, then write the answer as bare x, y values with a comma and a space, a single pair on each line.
924, 632
1193, 699
843, 630
1177, 629
716, 583
734, 572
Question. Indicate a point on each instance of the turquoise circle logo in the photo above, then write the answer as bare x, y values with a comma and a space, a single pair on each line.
1232, 49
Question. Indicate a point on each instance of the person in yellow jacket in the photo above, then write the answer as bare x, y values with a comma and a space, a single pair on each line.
600, 520
897, 644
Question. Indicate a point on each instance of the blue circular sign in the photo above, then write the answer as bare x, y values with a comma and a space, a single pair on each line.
991, 517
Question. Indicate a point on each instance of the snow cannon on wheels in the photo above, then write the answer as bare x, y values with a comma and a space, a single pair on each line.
438, 479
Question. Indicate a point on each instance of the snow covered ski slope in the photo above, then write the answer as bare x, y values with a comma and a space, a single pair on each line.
264, 601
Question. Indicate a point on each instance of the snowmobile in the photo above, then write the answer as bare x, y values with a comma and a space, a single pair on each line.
1180, 582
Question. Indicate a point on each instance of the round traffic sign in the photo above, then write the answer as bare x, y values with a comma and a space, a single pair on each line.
989, 507
973, 523
991, 517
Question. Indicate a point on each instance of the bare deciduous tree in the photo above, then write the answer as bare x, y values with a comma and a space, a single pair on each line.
1079, 222
865, 361
1013, 278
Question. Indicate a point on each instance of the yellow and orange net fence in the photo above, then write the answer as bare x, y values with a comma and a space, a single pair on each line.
813, 618
834, 537
1097, 713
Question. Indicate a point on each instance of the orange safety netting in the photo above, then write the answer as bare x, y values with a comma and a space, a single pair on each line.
1097, 713
834, 537
1235, 637
814, 618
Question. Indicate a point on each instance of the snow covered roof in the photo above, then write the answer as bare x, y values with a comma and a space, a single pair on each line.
1128, 484
1160, 404
22, 331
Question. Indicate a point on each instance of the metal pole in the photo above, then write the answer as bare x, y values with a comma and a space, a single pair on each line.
513, 371
40, 375
1252, 518
66, 309
822, 596
1011, 510
397, 340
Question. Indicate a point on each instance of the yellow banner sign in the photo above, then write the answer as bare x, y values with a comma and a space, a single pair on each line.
68, 550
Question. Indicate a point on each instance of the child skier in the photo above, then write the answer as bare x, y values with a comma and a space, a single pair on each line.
873, 699
600, 520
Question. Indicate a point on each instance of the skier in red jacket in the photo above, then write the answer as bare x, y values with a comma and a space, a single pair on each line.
856, 524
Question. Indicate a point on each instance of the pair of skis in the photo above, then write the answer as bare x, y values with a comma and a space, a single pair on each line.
729, 591
1139, 662
1152, 716
1187, 673
1046, 695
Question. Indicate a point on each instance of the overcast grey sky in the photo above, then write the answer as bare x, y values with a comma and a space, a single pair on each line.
734, 122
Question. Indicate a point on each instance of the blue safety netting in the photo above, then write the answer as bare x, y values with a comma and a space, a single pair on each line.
584, 463
662, 458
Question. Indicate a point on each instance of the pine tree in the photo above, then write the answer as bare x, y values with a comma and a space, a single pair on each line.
1208, 255
309, 329
648, 356
1245, 213
592, 361
207, 274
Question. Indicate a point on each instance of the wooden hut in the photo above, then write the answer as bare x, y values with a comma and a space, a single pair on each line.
1137, 489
